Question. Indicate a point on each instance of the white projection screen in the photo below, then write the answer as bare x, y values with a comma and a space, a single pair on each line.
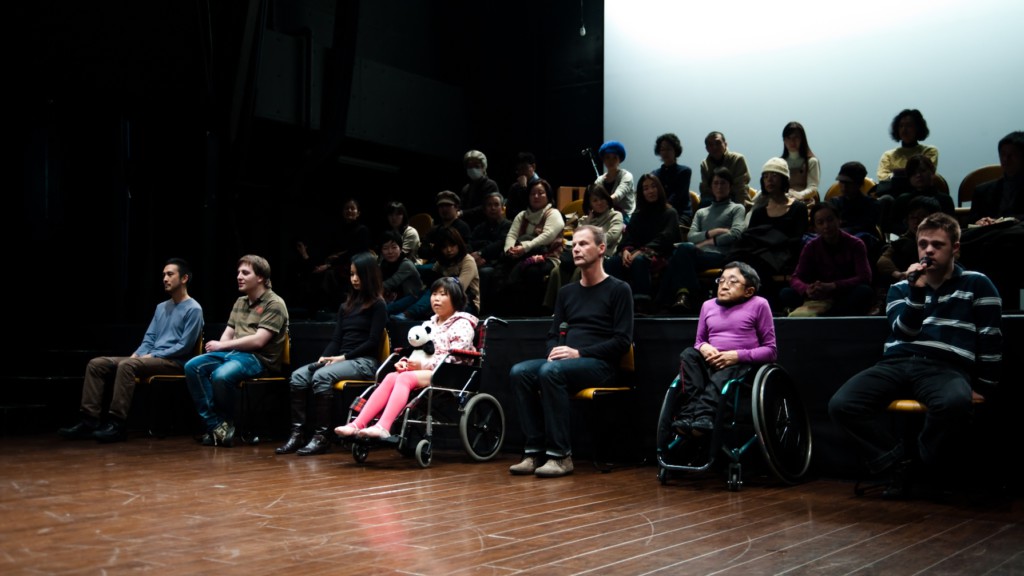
842, 69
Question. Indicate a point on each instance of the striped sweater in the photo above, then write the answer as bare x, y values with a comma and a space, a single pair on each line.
959, 323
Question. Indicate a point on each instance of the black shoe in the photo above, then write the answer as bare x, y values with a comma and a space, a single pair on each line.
703, 424
113, 431
206, 439
294, 442
901, 482
683, 425
222, 435
318, 444
81, 431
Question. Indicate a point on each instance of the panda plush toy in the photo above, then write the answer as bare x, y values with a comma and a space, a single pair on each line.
421, 342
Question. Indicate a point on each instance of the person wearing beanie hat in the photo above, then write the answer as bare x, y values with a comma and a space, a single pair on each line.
478, 187
719, 155
616, 180
772, 241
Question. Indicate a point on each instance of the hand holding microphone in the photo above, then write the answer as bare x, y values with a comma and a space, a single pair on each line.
913, 275
562, 329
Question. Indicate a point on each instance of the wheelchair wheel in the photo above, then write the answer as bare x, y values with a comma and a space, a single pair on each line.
360, 452
482, 427
781, 422
423, 455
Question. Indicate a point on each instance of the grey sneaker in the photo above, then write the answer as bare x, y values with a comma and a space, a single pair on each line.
223, 434
555, 467
527, 466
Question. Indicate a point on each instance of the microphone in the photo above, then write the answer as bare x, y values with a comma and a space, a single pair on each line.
562, 329
585, 152
913, 276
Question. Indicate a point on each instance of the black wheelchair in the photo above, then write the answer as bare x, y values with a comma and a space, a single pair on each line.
452, 400
760, 408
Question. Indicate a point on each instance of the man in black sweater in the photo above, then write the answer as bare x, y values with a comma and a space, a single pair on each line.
591, 330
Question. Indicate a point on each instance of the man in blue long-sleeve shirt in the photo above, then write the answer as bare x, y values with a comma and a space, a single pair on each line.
945, 343
170, 340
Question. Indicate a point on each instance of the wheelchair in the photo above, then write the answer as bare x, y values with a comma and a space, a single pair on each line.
452, 400
758, 409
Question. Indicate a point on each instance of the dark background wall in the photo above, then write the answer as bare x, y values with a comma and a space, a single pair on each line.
211, 129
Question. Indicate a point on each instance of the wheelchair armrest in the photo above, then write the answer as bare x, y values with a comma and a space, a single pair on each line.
465, 353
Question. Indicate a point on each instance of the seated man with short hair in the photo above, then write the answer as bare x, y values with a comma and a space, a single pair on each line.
735, 332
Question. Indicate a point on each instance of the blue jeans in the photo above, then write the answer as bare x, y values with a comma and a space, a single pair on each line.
542, 389
212, 380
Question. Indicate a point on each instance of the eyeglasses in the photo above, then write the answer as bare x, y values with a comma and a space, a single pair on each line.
729, 281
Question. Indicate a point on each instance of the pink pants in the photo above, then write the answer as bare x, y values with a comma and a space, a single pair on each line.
390, 396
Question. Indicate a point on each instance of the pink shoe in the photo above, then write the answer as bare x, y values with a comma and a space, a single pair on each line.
376, 431
347, 430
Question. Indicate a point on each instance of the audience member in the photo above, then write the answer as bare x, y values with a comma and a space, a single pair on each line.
453, 260
474, 192
1004, 197
617, 181
328, 283
519, 192
171, 338
804, 170
720, 156
598, 211
902, 252
997, 217
735, 333
908, 128
251, 344
451, 330
447, 217
945, 340
532, 249
398, 222
487, 244
859, 214
647, 243
352, 354
715, 228
833, 275
921, 177
402, 283
591, 329
674, 177
772, 241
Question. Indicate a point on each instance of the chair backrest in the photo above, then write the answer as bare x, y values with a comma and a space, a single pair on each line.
628, 362
836, 190
286, 355
422, 222
694, 202
567, 194
385, 347
977, 176
574, 207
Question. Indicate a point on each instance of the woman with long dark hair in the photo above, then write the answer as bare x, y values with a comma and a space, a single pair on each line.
647, 245
352, 354
804, 169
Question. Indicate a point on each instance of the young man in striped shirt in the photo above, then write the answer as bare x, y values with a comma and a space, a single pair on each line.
945, 340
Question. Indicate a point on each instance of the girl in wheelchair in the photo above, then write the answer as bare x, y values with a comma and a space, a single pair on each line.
735, 333
450, 330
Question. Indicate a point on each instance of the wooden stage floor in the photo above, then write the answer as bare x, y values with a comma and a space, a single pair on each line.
173, 507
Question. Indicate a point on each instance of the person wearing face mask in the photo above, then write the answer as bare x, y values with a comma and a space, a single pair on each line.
478, 188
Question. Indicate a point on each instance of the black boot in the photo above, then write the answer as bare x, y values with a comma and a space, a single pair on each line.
81, 431
115, 430
320, 443
298, 420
